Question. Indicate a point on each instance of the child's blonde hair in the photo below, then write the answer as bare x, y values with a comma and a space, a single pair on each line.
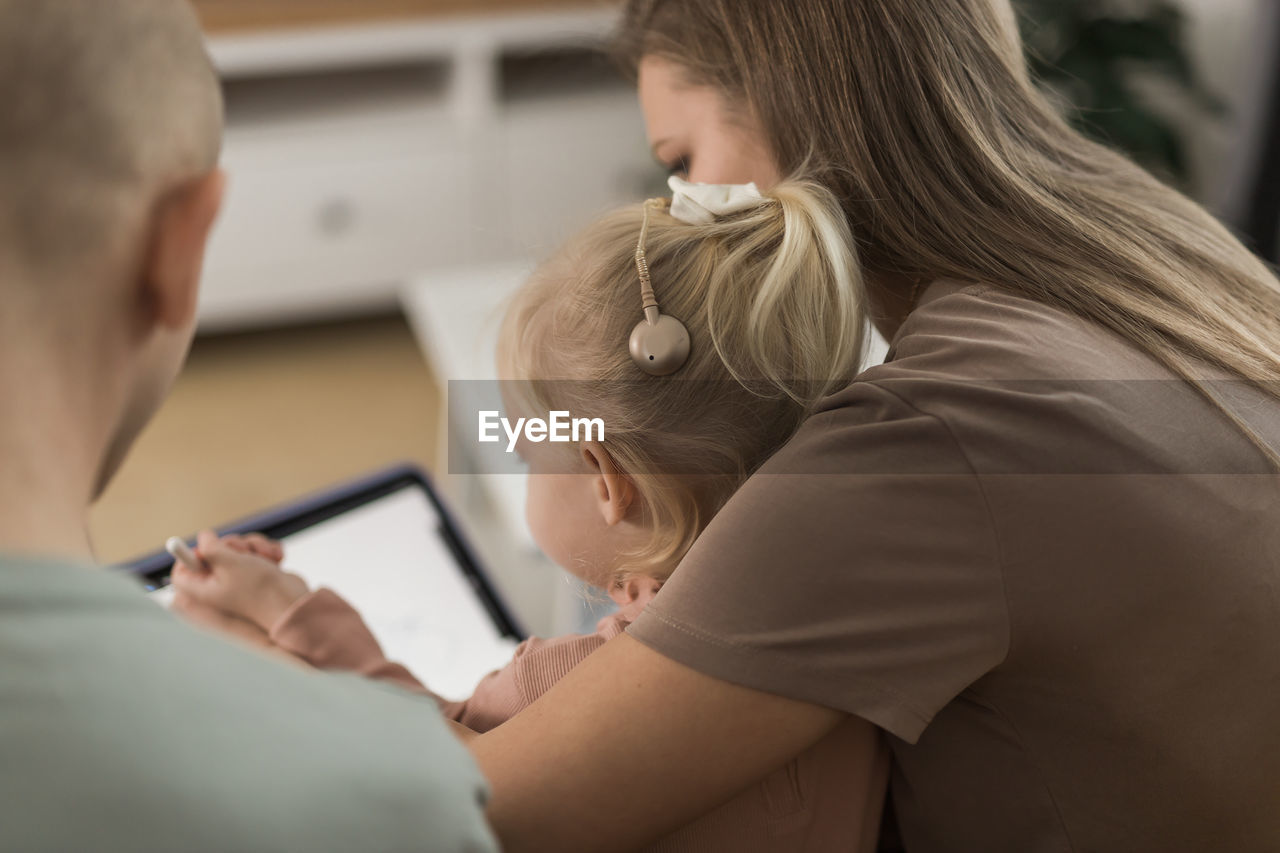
773, 302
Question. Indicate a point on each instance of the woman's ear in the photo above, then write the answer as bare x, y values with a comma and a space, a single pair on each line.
614, 492
180, 233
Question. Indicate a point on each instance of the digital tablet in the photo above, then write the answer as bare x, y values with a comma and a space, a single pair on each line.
388, 545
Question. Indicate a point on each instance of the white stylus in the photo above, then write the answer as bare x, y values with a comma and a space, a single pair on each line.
182, 553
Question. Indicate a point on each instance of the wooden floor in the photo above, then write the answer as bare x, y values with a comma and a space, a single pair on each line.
258, 419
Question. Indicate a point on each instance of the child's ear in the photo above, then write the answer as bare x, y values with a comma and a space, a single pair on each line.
614, 491
180, 233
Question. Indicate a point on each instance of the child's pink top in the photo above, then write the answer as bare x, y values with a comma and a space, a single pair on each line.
811, 804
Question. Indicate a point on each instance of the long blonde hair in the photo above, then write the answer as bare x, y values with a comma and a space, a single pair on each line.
949, 163
774, 306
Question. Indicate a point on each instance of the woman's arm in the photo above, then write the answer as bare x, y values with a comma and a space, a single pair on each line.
628, 732
631, 745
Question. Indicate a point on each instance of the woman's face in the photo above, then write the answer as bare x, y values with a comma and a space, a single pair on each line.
695, 134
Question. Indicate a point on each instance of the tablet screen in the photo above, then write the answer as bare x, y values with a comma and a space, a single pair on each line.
391, 559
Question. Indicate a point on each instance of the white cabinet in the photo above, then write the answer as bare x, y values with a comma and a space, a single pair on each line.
572, 159
333, 218
361, 157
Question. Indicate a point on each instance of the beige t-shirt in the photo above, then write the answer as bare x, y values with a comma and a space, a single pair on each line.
1047, 568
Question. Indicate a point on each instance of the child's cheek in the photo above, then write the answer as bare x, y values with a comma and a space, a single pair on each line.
558, 512
535, 510
545, 513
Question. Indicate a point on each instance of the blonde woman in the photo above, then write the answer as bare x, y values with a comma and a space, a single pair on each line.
1039, 548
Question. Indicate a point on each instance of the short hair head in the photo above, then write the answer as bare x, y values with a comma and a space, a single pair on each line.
106, 105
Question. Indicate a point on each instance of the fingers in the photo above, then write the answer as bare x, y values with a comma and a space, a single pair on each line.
241, 582
186, 578
236, 543
233, 556
256, 544
198, 581
208, 544
265, 547
232, 578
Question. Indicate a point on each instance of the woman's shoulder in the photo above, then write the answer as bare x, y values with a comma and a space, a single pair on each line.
976, 331
982, 379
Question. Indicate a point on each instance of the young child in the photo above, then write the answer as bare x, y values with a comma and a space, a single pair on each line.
702, 331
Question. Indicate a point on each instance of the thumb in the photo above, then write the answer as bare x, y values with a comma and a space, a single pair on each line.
191, 581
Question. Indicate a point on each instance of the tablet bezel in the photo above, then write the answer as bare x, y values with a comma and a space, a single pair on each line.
153, 569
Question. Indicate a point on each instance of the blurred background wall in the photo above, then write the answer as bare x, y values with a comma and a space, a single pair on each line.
1224, 42
397, 167
1235, 45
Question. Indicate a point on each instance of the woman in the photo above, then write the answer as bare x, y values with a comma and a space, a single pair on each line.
1038, 548
1025, 548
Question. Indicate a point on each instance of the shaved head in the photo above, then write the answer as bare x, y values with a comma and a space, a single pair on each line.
104, 106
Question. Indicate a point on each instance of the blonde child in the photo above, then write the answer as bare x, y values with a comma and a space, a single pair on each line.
769, 308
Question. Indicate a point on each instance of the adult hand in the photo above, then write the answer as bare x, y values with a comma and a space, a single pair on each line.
219, 622
226, 625
238, 580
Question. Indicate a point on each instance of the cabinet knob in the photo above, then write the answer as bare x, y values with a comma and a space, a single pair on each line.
337, 217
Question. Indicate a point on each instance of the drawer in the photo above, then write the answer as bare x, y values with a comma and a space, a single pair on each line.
587, 159
323, 226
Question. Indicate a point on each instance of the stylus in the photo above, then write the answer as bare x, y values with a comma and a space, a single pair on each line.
181, 552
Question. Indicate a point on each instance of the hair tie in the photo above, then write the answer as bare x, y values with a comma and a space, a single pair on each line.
702, 204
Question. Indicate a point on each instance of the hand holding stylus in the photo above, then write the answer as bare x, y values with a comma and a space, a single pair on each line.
241, 576
248, 543
182, 552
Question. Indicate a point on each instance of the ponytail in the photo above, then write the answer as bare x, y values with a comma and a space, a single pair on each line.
785, 304
773, 302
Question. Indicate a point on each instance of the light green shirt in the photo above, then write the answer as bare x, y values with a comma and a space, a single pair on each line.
121, 728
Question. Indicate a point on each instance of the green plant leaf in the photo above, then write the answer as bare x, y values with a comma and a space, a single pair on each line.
1089, 51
